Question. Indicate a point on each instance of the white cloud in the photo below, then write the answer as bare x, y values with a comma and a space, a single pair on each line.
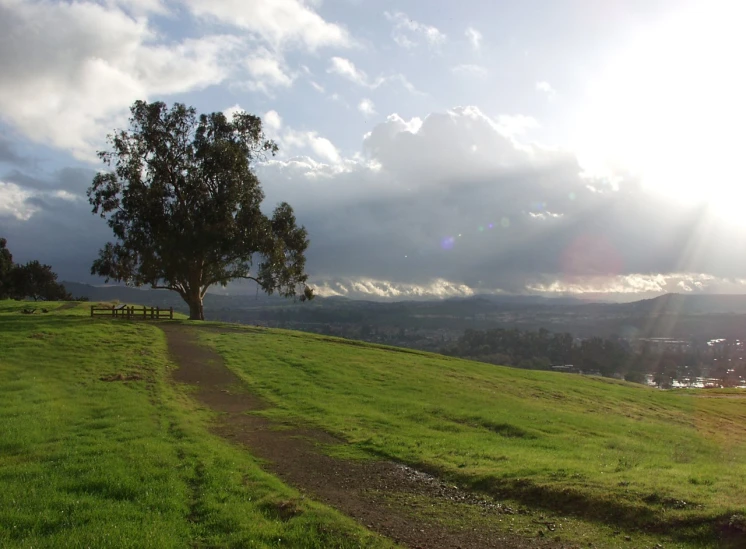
546, 88
347, 69
635, 283
459, 197
13, 202
281, 23
385, 289
367, 107
516, 124
272, 120
70, 70
230, 111
408, 33
321, 146
470, 70
267, 70
318, 87
412, 125
474, 37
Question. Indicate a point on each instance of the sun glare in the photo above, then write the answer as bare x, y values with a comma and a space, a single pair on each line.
671, 107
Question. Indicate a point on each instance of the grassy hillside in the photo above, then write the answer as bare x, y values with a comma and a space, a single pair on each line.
98, 448
86, 462
606, 452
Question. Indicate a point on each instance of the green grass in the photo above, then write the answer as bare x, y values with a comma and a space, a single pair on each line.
88, 463
612, 455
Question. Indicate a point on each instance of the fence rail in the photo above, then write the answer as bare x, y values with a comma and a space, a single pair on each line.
133, 313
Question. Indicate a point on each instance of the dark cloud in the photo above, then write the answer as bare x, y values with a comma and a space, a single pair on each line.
61, 231
524, 214
72, 180
10, 155
452, 205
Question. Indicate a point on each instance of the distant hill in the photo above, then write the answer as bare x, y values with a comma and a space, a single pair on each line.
426, 323
691, 304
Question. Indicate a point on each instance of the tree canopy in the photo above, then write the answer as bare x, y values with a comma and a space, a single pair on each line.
183, 202
6, 265
34, 279
37, 281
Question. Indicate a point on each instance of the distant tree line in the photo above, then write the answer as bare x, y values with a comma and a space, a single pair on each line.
542, 349
32, 280
611, 357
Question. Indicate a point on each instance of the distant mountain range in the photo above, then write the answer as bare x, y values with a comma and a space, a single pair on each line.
683, 304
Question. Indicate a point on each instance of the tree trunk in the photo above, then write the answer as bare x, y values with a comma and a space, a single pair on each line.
196, 312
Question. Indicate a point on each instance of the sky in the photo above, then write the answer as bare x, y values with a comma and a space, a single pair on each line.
431, 148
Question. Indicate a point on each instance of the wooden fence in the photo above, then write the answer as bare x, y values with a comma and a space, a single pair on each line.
133, 313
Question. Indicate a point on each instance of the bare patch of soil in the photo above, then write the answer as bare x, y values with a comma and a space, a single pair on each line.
363, 490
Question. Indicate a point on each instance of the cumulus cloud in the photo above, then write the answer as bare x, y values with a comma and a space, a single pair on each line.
281, 23
49, 219
267, 70
516, 124
272, 120
14, 202
636, 283
474, 37
458, 197
230, 111
71, 69
320, 146
455, 203
367, 107
387, 290
409, 33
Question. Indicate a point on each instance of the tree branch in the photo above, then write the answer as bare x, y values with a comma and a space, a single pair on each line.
229, 278
178, 288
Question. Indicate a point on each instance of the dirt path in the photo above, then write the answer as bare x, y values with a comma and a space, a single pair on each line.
368, 491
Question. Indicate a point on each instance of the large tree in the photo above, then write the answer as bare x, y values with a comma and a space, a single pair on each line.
184, 203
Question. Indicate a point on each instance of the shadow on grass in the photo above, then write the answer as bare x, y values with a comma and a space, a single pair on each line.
685, 523
18, 322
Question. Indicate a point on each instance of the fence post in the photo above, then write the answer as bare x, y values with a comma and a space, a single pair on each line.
92, 311
171, 313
